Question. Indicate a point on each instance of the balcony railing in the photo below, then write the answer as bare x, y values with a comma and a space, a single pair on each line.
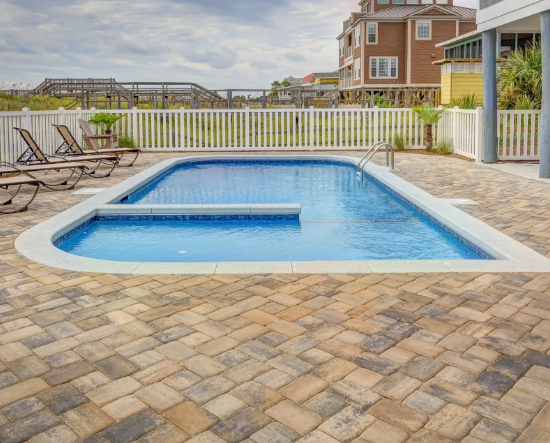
486, 3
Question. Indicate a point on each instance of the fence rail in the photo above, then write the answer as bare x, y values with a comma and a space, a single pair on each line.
280, 129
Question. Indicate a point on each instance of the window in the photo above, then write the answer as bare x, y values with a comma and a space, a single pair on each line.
342, 48
383, 2
398, 2
357, 36
423, 30
383, 67
372, 31
357, 69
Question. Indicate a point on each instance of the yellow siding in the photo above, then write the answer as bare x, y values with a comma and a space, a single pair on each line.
456, 85
325, 81
446, 89
467, 84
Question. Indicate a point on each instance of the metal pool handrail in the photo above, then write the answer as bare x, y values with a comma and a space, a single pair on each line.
390, 156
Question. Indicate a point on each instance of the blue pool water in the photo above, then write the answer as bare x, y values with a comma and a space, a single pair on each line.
342, 219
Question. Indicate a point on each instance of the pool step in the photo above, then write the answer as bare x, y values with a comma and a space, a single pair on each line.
220, 209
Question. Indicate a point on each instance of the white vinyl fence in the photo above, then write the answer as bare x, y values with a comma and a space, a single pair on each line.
278, 130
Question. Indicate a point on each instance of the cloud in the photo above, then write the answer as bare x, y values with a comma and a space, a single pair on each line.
295, 57
216, 43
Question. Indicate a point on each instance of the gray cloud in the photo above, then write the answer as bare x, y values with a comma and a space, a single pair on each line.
217, 43
295, 57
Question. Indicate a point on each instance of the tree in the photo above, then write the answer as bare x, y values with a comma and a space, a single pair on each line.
429, 115
275, 85
285, 83
520, 79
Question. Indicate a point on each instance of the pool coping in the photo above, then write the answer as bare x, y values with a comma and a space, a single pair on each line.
37, 243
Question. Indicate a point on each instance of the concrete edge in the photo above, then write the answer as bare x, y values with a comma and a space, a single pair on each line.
37, 243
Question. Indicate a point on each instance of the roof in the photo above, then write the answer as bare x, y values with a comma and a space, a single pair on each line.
308, 78
326, 74
458, 39
406, 11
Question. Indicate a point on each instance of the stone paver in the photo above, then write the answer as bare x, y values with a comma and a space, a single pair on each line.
382, 358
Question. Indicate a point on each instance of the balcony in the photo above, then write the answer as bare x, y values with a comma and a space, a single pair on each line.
486, 3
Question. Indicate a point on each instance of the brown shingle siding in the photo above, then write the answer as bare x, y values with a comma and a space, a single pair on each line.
466, 27
391, 38
422, 70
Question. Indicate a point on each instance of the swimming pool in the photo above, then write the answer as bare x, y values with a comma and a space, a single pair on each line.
342, 218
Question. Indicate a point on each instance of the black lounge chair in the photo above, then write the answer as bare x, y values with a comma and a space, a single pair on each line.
34, 155
70, 146
7, 205
43, 173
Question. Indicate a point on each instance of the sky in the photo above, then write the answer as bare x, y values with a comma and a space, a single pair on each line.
217, 43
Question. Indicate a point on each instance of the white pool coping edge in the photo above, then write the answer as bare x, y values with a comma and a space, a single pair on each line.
37, 243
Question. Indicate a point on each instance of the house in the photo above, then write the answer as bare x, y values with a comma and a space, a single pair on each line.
509, 17
326, 79
461, 68
391, 43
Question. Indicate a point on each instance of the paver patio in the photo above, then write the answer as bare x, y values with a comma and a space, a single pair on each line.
417, 358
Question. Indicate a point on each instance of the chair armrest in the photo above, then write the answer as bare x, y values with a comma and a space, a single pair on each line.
97, 137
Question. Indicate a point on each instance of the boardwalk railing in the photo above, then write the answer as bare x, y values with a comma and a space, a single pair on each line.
279, 129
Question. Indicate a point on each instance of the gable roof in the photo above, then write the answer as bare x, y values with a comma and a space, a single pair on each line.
409, 11
326, 74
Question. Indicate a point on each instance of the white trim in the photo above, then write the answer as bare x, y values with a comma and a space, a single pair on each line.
375, 34
389, 76
363, 53
409, 52
457, 28
418, 22
37, 242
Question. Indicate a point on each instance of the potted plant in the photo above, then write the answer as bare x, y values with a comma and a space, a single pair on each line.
105, 120
429, 115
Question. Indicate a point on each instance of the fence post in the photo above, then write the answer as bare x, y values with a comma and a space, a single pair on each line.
182, 128
479, 135
246, 128
311, 128
63, 117
135, 134
455, 127
77, 129
26, 119
376, 126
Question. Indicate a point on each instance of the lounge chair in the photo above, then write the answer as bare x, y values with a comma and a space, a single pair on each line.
91, 140
34, 155
7, 206
43, 173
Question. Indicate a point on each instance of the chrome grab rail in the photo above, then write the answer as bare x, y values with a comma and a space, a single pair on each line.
390, 157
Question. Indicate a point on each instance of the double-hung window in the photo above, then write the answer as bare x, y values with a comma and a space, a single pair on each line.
357, 69
423, 30
383, 67
342, 46
372, 33
357, 36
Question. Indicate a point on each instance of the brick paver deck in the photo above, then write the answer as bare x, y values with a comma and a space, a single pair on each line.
417, 358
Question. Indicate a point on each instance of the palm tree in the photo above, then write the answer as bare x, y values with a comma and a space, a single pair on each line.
520, 79
105, 119
429, 116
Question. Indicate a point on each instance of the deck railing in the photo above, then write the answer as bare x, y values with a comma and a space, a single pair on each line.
280, 130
